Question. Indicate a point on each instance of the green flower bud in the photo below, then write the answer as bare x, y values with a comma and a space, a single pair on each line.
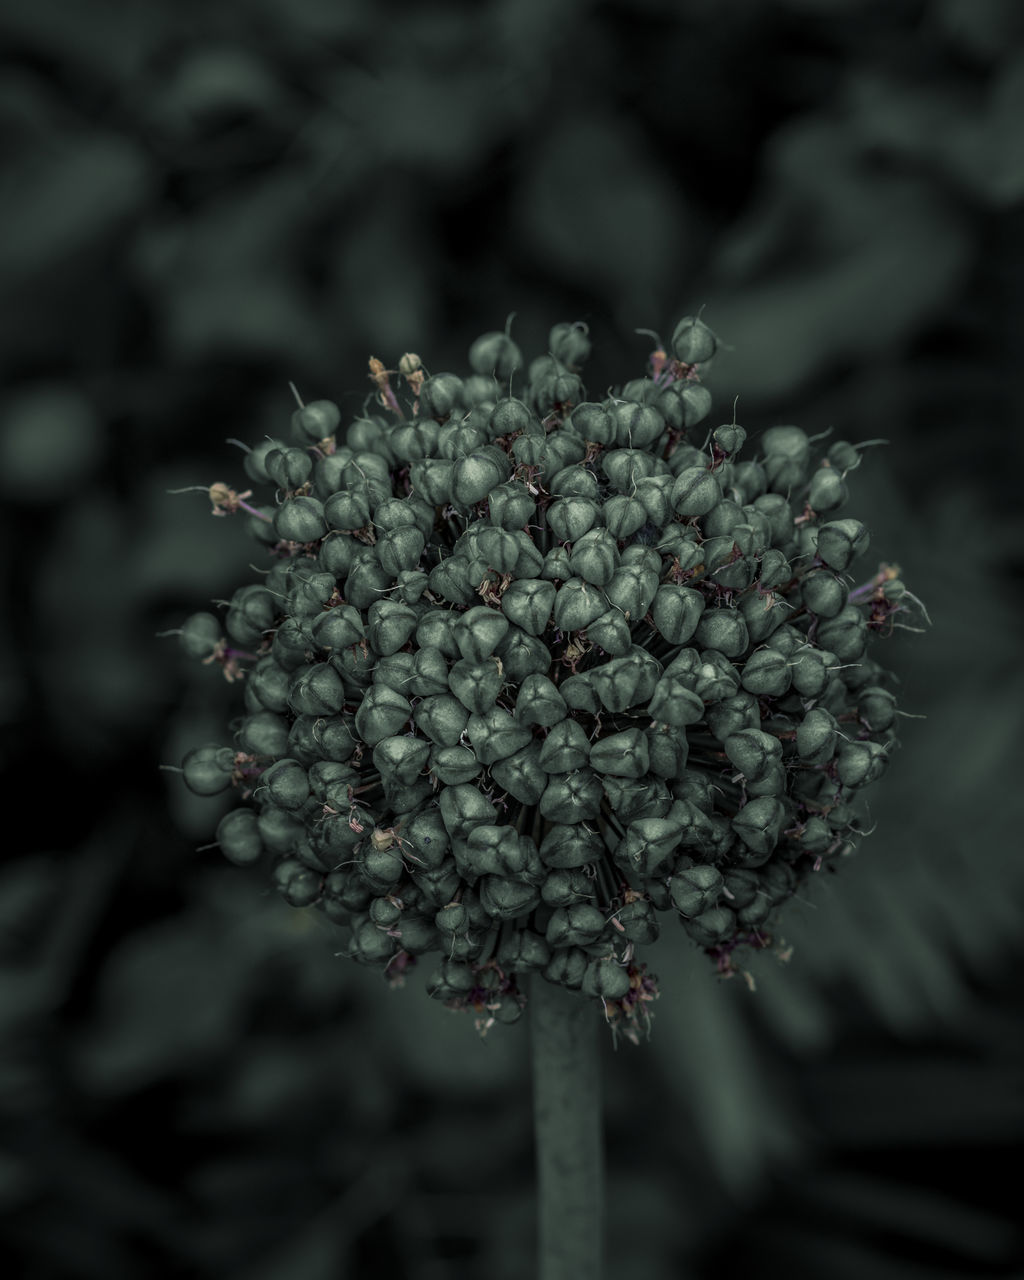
695, 491
593, 422
611, 633
816, 736
439, 395
624, 755
677, 611
239, 837
649, 845
569, 343
402, 759
732, 715
476, 684
840, 542
315, 421
474, 476
297, 884
751, 751
877, 708
288, 468
570, 518
723, 629
624, 516
510, 506
381, 714
692, 341
207, 770
507, 899
577, 925
455, 764
607, 978
595, 557
463, 808
567, 967
729, 437
495, 735
845, 635
712, 927
495, 353
572, 797
828, 489
696, 889
860, 763
565, 748
577, 604
759, 825
637, 425
566, 846
200, 634
431, 479
317, 691
479, 631
528, 603
766, 674
523, 655
674, 703
287, 784
523, 951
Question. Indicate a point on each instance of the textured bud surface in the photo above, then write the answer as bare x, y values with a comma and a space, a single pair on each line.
528, 670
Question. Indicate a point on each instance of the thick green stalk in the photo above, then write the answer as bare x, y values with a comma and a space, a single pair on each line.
564, 1029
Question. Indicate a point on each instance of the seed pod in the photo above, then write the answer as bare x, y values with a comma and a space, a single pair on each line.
298, 885
692, 341
649, 845
474, 476
877, 708
439, 395
463, 808
523, 951
497, 354
607, 978
200, 634
676, 611
624, 516
577, 925
724, 630
732, 715
569, 343
495, 735
315, 421
624, 755
845, 635
759, 825
565, 748
577, 604
381, 714
594, 422
860, 763
696, 889
751, 751
712, 927
595, 557
828, 489
840, 542
766, 674
506, 899
729, 437
207, 770
476, 684
572, 797
567, 967
316, 690
287, 784
695, 491
401, 758
816, 736
239, 837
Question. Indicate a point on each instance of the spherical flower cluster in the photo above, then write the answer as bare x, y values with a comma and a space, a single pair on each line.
530, 670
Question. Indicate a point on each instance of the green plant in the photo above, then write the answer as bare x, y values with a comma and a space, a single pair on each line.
530, 671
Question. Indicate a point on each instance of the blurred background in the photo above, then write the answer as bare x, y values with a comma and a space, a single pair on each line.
202, 203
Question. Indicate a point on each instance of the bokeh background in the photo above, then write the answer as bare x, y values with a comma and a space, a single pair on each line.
203, 202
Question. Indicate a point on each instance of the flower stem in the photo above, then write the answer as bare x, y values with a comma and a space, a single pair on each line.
568, 1133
